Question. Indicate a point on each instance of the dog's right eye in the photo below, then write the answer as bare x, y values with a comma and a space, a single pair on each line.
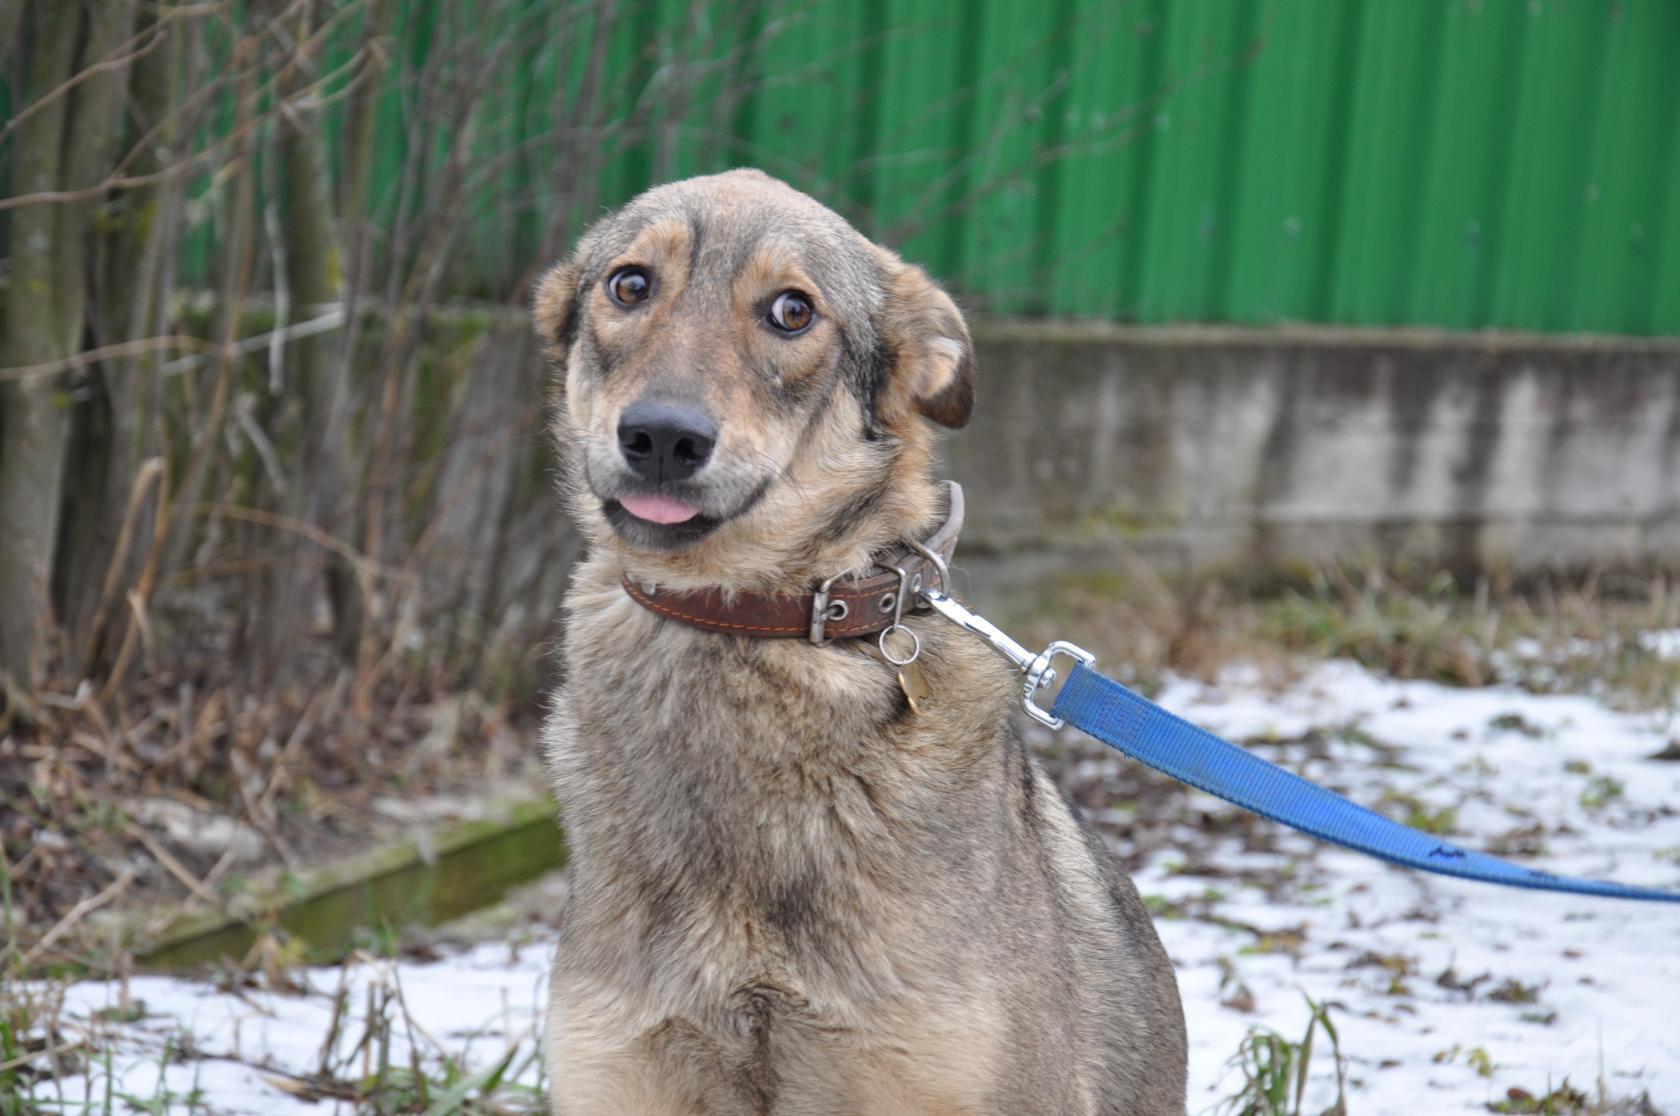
791, 312
629, 286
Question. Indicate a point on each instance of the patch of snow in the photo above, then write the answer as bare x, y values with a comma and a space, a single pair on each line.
1606, 972
1664, 644
245, 1047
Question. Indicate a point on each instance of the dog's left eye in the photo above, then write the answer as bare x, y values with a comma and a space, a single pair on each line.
629, 286
791, 312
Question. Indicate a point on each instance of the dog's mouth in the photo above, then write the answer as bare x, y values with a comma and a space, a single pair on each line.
666, 511
659, 522
669, 519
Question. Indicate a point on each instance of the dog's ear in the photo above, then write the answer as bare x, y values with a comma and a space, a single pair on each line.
554, 309
933, 358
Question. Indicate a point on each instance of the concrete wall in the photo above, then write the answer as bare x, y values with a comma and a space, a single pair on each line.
1200, 448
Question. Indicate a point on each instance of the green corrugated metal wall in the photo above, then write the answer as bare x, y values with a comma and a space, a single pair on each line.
1461, 163
1453, 162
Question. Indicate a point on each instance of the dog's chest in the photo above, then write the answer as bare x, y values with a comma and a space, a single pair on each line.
723, 779
773, 858
748, 810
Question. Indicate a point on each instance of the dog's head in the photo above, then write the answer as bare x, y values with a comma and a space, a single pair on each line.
747, 384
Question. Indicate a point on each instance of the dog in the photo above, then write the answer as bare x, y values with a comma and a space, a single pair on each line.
799, 883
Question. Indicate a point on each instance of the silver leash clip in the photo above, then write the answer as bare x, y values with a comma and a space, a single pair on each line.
1038, 672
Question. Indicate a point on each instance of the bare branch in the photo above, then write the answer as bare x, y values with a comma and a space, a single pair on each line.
118, 60
75, 914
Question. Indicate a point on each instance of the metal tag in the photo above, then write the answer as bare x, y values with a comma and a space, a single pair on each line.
914, 684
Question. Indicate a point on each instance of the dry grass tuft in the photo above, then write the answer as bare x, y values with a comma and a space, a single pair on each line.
1588, 633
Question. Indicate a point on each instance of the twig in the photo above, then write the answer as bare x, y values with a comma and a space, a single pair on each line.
258, 814
76, 914
105, 352
175, 868
202, 350
150, 472
332, 317
49, 1052
116, 61
117, 180
341, 1003
365, 566
283, 762
139, 630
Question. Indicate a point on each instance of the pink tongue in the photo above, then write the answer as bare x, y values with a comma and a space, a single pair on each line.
657, 509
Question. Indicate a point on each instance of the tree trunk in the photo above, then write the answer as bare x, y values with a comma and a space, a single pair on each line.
119, 422
314, 277
34, 413
359, 235
359, 122
234, 263
11, 18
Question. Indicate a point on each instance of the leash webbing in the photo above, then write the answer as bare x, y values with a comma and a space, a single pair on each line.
1144, 731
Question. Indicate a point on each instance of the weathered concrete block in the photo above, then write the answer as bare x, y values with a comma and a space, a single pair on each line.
1266, 449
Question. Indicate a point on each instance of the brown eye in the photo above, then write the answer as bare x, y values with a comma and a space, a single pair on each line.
629, 286
791, 312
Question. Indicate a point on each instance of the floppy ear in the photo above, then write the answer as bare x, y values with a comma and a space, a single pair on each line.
932, 355
554, 309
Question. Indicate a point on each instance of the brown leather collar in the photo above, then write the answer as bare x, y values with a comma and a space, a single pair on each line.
840, 608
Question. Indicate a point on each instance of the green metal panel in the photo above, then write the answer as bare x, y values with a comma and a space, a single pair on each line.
1394, 81
805, 117
1106, 119
1634, 148
1546, 195
1291, 162
631, 58
1014, 108
1462, 186
918, 143
1665, 290
1460, 163
1190, 212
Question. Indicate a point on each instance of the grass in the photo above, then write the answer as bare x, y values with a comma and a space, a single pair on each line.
1275, 1070
1601, 790
1566, 1100
1413, 811
377, 1056
1589, 633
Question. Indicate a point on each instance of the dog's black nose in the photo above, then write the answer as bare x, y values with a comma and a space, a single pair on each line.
665, 441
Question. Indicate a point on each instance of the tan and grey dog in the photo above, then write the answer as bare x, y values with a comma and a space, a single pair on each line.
793, 890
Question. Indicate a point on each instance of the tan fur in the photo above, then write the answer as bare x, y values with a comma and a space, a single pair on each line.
791, 894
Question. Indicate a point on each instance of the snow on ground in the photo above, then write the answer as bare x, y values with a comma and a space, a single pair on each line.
1395, 949
254, 1051
1663, 644
1446, 994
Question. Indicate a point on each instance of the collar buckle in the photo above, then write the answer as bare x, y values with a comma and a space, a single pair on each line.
823, 610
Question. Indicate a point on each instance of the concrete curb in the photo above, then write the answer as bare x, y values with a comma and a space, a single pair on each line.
423, 879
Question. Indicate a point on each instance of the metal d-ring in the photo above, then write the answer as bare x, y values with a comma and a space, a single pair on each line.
939, 567
898, 624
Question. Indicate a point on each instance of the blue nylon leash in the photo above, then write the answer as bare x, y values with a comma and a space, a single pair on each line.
1144, 731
